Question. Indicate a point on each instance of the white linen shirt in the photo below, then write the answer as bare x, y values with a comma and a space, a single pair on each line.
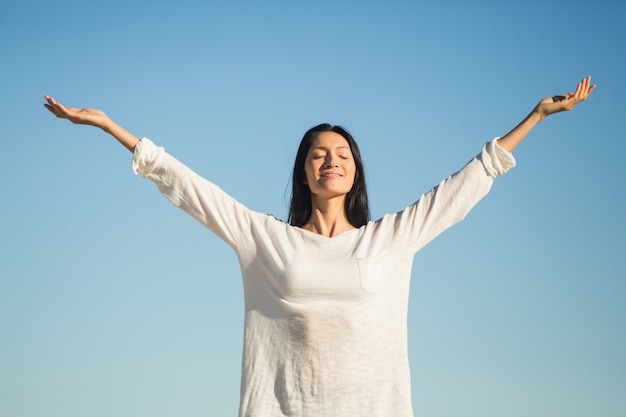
325, 318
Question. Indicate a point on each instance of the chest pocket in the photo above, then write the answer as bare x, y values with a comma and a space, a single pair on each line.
375, 272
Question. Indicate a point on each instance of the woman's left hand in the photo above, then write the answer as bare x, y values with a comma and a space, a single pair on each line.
555, 104
546, 107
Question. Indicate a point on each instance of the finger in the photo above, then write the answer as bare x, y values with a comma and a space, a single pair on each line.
60, 109
50, 105
579, 90
590, 87
593, 87
50, 100
585, 86
56, 108
55, 111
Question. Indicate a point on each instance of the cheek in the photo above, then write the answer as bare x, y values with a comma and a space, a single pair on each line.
353, 182
353, 174
307, 173
311, 168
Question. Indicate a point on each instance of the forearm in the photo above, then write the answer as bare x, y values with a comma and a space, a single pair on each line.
127, 139
92, 117
546, 107
519, 132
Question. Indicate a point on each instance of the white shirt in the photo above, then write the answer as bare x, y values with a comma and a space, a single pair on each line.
325, 318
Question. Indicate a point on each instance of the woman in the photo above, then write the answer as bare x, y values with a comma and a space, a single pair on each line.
326, 295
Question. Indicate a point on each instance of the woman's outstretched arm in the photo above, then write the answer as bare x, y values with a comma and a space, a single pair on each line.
95, 118
544, 108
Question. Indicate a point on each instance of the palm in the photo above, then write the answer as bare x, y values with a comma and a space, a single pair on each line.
91, 117
555, 104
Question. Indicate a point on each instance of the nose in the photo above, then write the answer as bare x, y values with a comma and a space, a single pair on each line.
330, 161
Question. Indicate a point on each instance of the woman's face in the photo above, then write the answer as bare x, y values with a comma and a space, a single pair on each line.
329, 168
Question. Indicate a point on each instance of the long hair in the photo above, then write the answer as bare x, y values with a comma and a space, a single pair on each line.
356, 206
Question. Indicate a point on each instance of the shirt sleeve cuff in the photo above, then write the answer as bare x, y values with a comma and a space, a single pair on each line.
496, 159
145, 156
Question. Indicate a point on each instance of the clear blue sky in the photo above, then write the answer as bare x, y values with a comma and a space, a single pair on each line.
114, 303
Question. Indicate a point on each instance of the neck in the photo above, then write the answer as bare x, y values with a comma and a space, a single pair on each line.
328, 217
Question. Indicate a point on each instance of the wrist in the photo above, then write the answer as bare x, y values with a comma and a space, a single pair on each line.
537, 114
107, 125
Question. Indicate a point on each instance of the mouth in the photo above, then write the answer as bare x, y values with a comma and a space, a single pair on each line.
330, 175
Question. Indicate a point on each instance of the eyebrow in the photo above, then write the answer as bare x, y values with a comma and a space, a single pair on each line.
325, 148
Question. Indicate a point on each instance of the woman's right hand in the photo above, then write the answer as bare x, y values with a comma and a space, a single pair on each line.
90, 117
95, 118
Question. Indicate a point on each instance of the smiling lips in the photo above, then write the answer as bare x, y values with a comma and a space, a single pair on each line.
330, 175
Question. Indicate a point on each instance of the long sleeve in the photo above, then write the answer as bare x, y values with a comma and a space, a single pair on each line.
200, 198
450, 201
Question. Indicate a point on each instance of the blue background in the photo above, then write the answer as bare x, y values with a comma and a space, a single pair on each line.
112, 302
